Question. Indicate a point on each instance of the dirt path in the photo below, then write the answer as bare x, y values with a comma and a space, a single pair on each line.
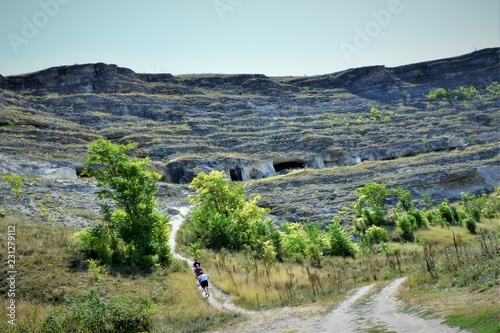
365, 309
218, 299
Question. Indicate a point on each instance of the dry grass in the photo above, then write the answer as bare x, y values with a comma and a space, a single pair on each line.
49, 267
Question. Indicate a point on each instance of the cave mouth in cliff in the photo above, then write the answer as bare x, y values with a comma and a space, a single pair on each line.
288, 165
235, 174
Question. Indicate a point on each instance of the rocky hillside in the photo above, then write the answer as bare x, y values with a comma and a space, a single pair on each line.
303, 143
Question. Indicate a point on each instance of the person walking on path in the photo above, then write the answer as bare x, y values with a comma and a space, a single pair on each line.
203, 278
197, 269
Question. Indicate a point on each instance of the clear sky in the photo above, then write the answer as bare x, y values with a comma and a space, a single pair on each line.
272, 37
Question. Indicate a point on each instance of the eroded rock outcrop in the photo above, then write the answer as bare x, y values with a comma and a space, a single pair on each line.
259, 129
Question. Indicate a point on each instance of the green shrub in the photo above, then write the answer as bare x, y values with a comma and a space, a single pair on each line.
224, 218
470, 224
420, 220
88, 313
462, 93
472, 205
96, 242
375, 113
341, 243
375, 235
437, 93
369, 204
406, 224
17, 184
494, 89
431, 217
455, 215
445, 212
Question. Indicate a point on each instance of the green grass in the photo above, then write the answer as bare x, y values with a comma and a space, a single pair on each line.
482, 323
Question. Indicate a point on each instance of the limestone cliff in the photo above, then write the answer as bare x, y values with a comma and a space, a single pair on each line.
336, 131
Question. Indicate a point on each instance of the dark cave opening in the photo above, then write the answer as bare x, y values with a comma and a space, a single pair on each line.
288, 165
235, 174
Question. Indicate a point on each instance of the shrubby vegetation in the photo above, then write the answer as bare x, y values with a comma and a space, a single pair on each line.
462, 93
289, 264
494, 90
89, 313
224, 219
133, 231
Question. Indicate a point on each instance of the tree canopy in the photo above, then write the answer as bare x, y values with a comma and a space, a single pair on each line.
134, 230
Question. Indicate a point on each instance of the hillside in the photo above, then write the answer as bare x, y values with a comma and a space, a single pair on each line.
304, 144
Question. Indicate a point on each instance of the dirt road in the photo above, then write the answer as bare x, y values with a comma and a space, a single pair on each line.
366, 309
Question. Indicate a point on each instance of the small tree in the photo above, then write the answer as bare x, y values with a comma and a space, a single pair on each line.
223, 218
369, 204
133, 229
341, 243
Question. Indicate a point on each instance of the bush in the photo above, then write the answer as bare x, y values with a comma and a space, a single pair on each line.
494, 90
375, 235
90, 313
341, 243
462, 93
420, 220
369, 204
407, 224
445, 212
470, 224
437, 93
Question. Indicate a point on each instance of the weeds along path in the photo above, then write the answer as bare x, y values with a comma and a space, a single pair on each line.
366, 309
218, 299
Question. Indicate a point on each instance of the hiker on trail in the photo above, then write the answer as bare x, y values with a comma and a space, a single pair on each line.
197, 269
196, 262
203, 278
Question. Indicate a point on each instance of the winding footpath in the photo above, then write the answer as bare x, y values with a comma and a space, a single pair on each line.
218, 299
364, 309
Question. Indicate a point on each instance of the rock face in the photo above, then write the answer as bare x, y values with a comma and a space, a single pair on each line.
304, 144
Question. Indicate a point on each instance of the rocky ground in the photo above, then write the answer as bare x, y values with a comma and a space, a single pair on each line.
304, 144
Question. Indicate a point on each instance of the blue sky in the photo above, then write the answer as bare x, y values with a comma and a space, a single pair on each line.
272, 37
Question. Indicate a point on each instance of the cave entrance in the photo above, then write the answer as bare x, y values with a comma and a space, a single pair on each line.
288, 165
235, 174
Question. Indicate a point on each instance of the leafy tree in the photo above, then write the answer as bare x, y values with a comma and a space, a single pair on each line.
133, 229
223, 218
369, 204
404, 199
